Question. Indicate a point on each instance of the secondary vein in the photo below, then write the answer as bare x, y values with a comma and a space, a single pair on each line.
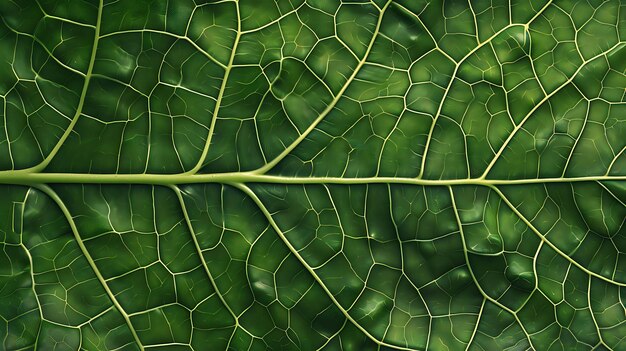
81, 102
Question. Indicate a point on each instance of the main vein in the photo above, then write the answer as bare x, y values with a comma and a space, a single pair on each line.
30, 178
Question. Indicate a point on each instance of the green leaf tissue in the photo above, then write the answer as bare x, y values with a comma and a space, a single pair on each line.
353, 175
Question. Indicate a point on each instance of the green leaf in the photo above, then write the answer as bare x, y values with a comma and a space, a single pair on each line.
312, 175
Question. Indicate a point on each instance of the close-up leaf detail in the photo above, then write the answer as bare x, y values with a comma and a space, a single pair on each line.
313, 175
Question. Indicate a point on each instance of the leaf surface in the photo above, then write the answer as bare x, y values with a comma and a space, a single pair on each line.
313, 175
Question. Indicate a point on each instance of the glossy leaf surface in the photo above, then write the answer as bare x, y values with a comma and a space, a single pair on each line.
313, 175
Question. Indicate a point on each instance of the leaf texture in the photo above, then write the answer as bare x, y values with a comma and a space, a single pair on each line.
313, 175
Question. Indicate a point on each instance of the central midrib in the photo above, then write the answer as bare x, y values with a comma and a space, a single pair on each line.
31, 178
